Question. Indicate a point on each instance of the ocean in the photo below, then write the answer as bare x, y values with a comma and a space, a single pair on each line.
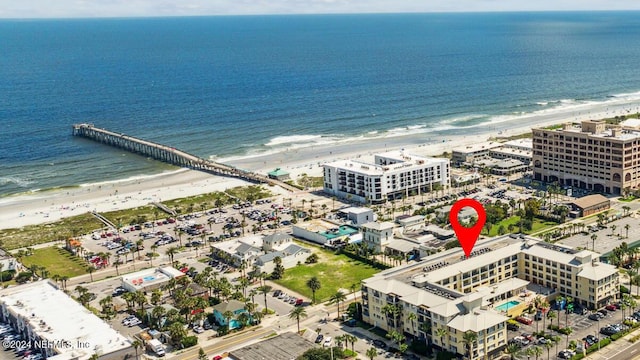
234, 86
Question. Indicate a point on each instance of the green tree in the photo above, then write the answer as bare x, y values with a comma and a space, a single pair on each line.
202, 355
265, 289
228, 315
297, 313
372, 353
513, 350
469, 338
442, 333
315, 285
337, 298
278, 270
177, 332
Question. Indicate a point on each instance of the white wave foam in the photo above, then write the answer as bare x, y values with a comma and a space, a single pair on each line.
564, 109
292, 139
134, 178
21, 182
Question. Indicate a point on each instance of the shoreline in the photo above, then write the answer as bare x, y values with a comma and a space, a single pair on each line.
54, 204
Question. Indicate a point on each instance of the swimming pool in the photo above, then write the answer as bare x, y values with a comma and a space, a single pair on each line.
508, 305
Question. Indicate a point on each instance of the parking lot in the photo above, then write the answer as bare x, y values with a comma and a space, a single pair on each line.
582, 325
191, 231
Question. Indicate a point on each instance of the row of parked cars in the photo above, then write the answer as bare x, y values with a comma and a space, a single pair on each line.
286, 298
13, 341
131, 321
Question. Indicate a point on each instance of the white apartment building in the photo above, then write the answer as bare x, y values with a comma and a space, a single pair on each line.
448, 291
58, 327
390, 176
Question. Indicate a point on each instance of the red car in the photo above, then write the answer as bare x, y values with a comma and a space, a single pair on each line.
611, 307
217, 357
524, 320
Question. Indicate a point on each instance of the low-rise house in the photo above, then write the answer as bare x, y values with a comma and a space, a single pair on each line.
236, 308
590, 204
327, 233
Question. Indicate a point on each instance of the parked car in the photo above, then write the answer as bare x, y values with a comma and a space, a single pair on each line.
379, 343
566, 354
524, 320
327, 341
513, 327
319, 338
611, 307
595, 316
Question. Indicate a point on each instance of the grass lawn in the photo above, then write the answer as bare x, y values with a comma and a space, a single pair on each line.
334, 272
38, 234
538, 225
56, 261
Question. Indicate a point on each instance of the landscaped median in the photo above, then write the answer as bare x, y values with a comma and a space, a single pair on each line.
608, 340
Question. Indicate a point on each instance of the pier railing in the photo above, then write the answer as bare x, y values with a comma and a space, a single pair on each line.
170, 155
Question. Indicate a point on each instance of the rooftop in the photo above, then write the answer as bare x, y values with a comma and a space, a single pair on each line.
374, 225
589, 201
39, 303
471, 148
147, 277
285, 346
395, 160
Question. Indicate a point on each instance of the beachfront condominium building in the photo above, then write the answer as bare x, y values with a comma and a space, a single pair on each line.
477, 294
591, 156
389, 176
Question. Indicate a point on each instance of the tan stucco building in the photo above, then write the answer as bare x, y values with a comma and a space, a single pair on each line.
591, 156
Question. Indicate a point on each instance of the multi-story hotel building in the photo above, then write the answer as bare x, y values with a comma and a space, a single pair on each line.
500, 279
390, 176
590, 156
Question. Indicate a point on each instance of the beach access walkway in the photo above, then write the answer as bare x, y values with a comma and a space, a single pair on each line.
171, 155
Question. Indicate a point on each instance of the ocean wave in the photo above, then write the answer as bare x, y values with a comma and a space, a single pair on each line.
19, 181
133, 178
293, 139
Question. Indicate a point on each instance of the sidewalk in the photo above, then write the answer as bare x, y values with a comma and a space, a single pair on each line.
616, 347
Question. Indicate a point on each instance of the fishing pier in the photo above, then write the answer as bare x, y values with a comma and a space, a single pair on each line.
170, 155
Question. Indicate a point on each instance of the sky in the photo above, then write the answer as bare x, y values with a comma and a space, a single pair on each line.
144, 8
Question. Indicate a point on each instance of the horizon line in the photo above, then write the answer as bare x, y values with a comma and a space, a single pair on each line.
150, 16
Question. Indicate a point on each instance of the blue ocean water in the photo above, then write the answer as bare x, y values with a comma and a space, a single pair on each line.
233, 86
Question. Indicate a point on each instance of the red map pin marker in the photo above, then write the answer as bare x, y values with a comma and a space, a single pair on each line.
467, 236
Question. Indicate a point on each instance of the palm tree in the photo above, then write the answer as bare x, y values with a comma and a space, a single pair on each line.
352, 339
626, 228
136, 345
315, 285
297, 313
593, 242
372, 353
513, 350
171, 252
243, 318
469, 338
548, 345
556, 340
412, 317
353, 288
535, 351
442, 332
265, 289
550, 315
90, 270
228, 315
337, 298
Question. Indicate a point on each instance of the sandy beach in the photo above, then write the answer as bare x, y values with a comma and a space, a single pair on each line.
43, 207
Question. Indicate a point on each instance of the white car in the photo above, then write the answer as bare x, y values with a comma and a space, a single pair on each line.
198, 329
134, 322
327, 341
